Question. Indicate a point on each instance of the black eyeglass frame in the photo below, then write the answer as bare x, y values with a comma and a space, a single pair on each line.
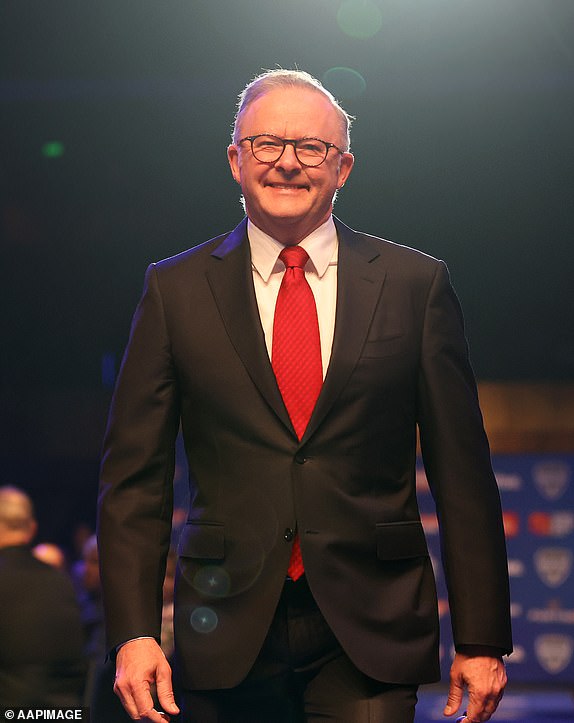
292, 142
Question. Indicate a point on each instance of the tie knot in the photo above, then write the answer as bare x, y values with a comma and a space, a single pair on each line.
294, 256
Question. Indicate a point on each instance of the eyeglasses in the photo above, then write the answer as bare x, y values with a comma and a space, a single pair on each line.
310, 152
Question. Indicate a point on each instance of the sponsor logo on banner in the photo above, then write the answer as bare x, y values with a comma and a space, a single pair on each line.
508, 482
552, 613
554, 652
551, 524
511, 521
552, 478
553, 565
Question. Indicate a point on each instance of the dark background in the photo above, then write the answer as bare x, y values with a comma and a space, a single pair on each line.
464, 147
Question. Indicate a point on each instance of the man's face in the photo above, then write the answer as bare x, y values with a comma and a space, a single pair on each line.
286, 199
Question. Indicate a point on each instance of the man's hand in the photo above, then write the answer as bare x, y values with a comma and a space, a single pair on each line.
485, 678
139, 664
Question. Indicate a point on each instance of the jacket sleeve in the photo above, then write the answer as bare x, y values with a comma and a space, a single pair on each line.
457, 462
136, 482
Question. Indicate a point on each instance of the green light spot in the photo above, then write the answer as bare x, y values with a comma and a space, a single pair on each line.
359, 18
53, 149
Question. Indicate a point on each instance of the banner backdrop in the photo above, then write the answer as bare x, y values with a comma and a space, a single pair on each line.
537, 494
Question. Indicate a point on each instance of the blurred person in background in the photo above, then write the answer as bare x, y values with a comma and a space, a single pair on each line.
51, 554
98, 694
41, 638
90, 600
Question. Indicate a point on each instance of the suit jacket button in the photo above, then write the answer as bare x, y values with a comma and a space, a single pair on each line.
289, 534
300, 458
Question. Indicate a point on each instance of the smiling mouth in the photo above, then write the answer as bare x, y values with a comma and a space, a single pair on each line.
288, 186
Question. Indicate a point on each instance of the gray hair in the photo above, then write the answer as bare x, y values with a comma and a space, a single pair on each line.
280, 78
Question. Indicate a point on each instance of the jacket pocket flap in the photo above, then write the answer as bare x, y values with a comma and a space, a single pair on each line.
401, 540
203, 540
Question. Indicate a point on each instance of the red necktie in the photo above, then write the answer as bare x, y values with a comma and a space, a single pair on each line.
296, 354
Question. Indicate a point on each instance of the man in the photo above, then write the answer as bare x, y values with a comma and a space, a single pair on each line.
41, 640
299, 443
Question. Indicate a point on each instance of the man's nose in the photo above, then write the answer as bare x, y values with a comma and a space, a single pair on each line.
288, 161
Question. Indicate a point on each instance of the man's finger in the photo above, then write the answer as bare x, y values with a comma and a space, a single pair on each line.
483, 704
136, 701
454, 698
154, 716
165, 691
482, 708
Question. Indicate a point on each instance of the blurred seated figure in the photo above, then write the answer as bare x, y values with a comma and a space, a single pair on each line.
99, 696
41, 639
90, 598
50, 554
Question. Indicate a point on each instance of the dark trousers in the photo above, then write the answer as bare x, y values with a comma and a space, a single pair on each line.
301, 675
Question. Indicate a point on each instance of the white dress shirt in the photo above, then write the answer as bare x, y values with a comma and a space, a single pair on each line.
320, 271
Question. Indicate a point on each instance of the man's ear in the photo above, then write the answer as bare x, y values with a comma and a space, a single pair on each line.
233, 159
345, 168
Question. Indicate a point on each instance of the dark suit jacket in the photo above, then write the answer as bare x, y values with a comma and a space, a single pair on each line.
41, 637
399, 359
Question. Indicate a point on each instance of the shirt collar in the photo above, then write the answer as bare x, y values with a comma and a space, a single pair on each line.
321, 245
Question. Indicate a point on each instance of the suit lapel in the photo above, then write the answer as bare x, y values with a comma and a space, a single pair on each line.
231, 282
359, 284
